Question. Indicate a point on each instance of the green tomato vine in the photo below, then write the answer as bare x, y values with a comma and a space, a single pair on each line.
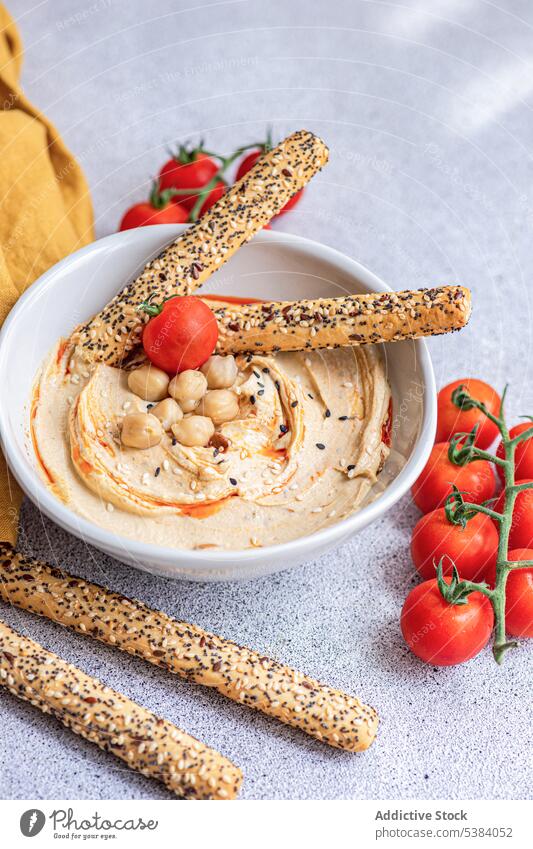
463, 450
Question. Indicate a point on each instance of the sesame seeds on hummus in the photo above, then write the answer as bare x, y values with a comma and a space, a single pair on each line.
303, 452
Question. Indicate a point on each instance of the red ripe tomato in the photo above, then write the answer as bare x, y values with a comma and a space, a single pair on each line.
181, 336
441, 633
523, 457
473, 549
248, 162
212, 196
521, 534
143, 214
518, 595
451, 419
190, 169
435, 482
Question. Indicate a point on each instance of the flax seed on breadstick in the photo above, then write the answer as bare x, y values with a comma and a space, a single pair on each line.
203, 248
350, 320
238, 673
148, 744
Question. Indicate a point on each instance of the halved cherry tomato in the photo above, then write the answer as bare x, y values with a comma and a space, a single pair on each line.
248, 162
523, 457
451, 419
189, 169
473, 549
182, 336
441, 633
143, 214
521, 533
435, 483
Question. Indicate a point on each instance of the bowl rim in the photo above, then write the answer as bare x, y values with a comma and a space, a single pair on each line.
92, 533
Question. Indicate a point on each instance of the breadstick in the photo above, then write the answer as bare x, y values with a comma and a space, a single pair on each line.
350, 320
203, 248
238, 673
146, 743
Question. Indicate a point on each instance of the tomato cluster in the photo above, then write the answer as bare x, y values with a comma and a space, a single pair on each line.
190, 183
437, 630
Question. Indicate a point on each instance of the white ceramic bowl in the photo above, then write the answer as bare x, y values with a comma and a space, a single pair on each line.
273, 266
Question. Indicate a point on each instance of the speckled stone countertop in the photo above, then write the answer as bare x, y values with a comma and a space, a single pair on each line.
426, 107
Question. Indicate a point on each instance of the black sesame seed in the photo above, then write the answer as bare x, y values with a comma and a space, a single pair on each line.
320, 445
233, 482
261, 392
294, 404
343, 418
350, 467
327, 414
265, 370
174, 441
252, 399
157, 471
283, 428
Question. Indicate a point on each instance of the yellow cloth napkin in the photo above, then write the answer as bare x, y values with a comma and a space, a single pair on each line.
46, 209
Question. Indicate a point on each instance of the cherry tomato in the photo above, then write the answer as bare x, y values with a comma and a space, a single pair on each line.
143, 214
451, 419
191, 169
473, 549
182, 336
212, 196
518, 595
523, 456
441, 633
248, 162
521, 533
435, 483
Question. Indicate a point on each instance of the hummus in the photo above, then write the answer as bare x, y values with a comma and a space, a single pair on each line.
304, 452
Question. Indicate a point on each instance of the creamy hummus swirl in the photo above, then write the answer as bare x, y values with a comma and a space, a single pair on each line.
303, 453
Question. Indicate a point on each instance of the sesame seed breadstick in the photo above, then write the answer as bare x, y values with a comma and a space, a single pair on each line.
350, 320
205, 246
146, 743
239, 673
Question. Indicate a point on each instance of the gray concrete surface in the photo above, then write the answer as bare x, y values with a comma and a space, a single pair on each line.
427, 108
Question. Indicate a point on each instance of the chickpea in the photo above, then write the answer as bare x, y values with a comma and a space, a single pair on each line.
149, 382
189, 406
168, 412
221, 405
194, 431
141, 430
221, 372
187, 388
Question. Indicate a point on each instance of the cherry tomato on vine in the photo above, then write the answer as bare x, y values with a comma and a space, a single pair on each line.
192, 169
518, 595
248, 162
523, 457
435, 483
442, 633
473, 548
451, 419
182, 335
211, 197
143, 214
521, 533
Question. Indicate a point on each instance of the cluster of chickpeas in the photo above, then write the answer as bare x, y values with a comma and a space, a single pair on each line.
190, 406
